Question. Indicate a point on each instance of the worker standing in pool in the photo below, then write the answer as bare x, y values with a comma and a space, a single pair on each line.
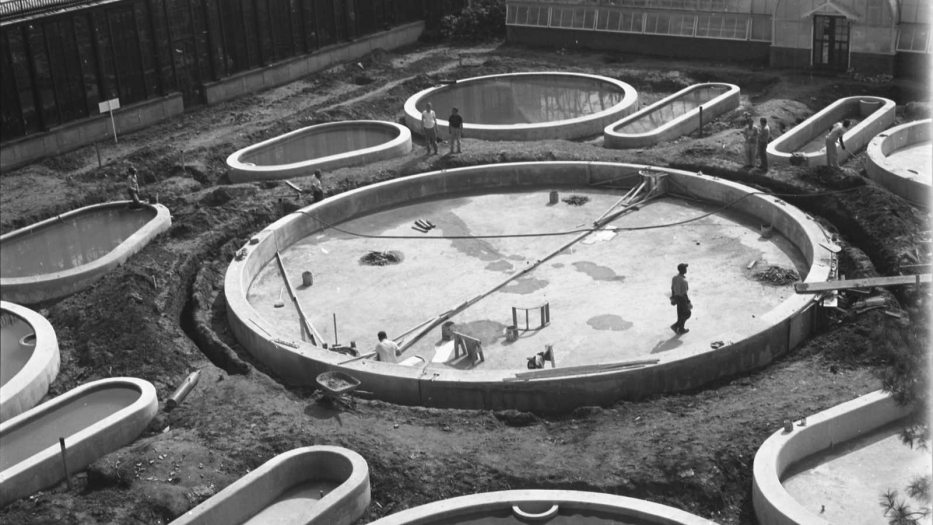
836, 133
680, 299
386, 349
429, 127
455, 122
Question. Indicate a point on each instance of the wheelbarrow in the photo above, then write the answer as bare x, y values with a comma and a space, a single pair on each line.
336, 387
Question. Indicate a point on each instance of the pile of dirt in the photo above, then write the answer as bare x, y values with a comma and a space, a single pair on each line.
381, 258
777, 276
576, 200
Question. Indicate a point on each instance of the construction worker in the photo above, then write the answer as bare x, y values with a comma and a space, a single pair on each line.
680, 299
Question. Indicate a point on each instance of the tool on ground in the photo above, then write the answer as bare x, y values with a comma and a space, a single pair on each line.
294, 187
61, 442
419, 228
182, 391
279, 303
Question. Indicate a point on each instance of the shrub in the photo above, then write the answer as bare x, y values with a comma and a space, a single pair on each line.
480, 20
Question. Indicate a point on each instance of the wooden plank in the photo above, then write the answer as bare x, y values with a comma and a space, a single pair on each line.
294, 187
582, 369
868, 282
316, 337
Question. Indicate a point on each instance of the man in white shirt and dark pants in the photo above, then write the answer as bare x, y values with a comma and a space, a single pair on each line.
429, 127
387, 350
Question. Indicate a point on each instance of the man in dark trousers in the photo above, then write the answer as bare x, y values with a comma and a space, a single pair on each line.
317, 186
679, 298
764, 137
455, 125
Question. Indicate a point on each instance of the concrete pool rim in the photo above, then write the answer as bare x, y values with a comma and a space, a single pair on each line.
687, 367
343, 505
31, 383
887, 142
855, 138
33, 289
773, 504
44, 468
248, 172
577, 127
618, 506
682, 125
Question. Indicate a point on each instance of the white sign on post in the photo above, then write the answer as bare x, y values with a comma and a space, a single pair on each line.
109, 106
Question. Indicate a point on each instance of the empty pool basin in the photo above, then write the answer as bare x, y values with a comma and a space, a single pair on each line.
95, 419
867, 117
421, 289
544, 507
29, 359
323, 146
312, 485
822, 433
527, 106
679, 114
900, 160
62, 255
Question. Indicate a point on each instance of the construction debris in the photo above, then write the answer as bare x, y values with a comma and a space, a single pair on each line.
381, 258
577, 200
776, 275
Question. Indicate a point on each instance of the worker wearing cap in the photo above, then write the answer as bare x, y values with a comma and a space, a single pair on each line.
317, 186
679, 298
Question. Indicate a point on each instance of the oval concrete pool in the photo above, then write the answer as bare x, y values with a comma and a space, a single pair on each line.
900, 160
64, 254
29, 359
674, 116
834, 466
322, 146
867, 117
597, 295
546, 507
527, 106
95, 418
310, 485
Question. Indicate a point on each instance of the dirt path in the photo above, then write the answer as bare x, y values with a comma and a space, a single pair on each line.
692, 451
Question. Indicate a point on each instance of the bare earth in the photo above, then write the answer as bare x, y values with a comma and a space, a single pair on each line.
161, 315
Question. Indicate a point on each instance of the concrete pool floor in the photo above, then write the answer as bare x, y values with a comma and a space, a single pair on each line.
608, 295
912, 162
848, 482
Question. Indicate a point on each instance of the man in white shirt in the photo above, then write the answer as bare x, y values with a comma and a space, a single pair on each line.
836, 133
429, 127
386, 349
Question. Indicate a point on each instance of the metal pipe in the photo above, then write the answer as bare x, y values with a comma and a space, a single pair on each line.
182, 391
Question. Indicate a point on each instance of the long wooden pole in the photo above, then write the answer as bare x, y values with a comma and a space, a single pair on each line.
315, 337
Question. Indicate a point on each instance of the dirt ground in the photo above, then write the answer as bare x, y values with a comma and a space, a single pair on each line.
161, 315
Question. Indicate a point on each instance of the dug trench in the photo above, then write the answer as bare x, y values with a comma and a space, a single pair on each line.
161, 315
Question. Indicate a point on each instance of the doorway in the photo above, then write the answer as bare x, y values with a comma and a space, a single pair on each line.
830, 42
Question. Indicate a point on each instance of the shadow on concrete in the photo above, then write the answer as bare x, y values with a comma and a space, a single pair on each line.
670, 344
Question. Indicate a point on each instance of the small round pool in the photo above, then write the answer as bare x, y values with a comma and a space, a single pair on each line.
527, 106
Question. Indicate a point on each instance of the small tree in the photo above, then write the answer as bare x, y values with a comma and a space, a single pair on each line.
479, 20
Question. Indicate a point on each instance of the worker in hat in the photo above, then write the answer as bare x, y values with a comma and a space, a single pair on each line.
680, 300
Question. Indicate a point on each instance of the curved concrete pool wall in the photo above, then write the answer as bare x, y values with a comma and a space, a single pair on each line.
875, 114
506, 94
323, 146
538, 506
31, 359
686, 367
62, 255
773, 504
261, 488
906, 181
672, 117
95, 419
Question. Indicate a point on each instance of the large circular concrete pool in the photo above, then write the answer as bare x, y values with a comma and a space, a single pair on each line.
527, 106
502, 255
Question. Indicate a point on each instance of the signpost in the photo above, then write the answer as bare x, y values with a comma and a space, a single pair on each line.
109, 106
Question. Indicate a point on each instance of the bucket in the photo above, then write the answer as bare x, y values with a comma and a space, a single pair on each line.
307, 279
554, 198
511, 334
